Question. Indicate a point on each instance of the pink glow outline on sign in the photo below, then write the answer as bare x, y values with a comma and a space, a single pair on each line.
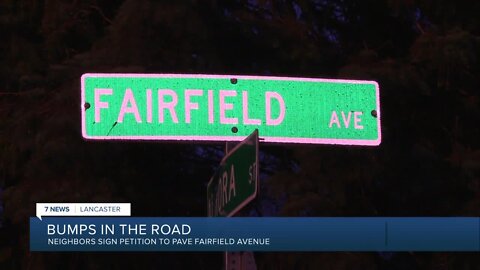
254, 135
375, 142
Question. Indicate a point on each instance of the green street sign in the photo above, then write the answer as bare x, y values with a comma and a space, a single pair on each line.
178, 107
235, 183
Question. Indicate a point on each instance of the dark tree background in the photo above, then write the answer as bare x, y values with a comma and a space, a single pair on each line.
425, 54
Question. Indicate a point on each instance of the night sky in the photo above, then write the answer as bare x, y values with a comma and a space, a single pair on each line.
425, 56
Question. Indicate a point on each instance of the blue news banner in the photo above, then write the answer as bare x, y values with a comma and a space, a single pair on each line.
254, 234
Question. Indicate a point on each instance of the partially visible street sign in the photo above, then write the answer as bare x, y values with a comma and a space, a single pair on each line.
235, 183
178, 107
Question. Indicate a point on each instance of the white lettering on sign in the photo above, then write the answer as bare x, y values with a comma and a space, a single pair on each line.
226, 188
100, 104
252, 173
129, 99
190, 105
356, 117
346, 118
224, 106
246, 119
210, 106
168, 101
231, 187
268, 105
346, 121
149, 105
162, 105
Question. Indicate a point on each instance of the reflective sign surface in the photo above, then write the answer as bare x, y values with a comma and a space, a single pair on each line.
228, 107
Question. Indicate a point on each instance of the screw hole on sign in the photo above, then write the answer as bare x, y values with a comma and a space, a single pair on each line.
374, 113
234, 129
86, 106
233, 81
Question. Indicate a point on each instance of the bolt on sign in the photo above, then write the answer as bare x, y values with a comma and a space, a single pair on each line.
235, 183
182, 107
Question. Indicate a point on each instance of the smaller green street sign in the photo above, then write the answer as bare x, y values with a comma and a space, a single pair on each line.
235, 183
